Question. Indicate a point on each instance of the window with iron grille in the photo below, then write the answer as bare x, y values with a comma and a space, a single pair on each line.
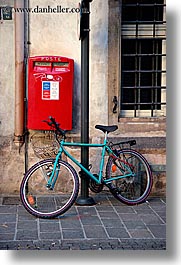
143, 58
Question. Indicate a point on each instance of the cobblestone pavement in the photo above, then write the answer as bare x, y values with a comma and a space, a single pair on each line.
107, 225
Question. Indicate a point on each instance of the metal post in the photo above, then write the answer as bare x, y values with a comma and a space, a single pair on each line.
84, 198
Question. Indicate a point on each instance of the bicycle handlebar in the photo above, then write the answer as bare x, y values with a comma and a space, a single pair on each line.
52, 123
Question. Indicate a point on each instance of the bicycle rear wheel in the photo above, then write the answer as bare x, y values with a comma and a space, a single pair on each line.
44, 202
133, 188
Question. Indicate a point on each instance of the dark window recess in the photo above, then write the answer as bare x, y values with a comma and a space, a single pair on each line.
146, 11
141, 62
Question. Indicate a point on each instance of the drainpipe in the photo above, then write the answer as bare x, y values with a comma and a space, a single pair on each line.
26, 55
19, 74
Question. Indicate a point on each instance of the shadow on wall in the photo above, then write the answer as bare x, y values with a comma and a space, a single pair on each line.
76, 98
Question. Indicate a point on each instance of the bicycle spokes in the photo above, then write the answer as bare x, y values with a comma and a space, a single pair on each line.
122, 168
44, 201
129, 176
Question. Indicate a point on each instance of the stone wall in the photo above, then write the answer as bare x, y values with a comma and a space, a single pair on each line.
12, 166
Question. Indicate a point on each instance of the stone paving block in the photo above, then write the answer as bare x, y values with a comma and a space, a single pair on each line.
21, 209
8, 209
7, 218
114, 243
24, 245
65, 245
7, 236
71, 211
117, 233
111, 215
85, 246
3, 245
15, 245
116, 223
49, 227
27, 235
86, 211
155, 201
158, 207
159, 231
47, 245
73, 244
129, 217
95, 231
140, 233
90, 220
137, 224
72, 223
101, 199
7, 228
42, 220
162, 215
150, 219
95, 246
115, 202
23, 215
32, 245
124, 209
144, 244
50, 235
143, 206
145, 210
28, 225
73, 234
105, 245
103, 208
92, 244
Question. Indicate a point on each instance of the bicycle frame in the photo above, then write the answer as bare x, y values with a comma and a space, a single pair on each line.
99, 179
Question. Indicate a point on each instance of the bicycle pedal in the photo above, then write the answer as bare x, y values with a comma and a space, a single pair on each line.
113, 190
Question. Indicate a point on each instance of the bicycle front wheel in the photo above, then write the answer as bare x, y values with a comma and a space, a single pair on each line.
131, 177
45, 202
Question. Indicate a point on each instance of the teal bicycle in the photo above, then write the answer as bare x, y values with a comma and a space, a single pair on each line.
50, 187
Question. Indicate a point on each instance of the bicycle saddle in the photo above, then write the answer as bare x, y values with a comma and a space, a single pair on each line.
107, 129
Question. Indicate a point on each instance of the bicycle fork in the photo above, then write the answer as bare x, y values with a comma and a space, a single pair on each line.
55, 172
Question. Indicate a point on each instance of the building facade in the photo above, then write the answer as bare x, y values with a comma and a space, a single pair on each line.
127, 76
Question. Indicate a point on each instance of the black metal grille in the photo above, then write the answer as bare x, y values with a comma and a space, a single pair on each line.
143, 33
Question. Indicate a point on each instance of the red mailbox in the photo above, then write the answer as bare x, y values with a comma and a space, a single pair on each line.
50, 91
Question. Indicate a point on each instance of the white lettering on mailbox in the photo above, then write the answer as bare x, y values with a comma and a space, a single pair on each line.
53, 58
50, 90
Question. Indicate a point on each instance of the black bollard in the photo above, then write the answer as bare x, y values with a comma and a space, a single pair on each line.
84, 198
